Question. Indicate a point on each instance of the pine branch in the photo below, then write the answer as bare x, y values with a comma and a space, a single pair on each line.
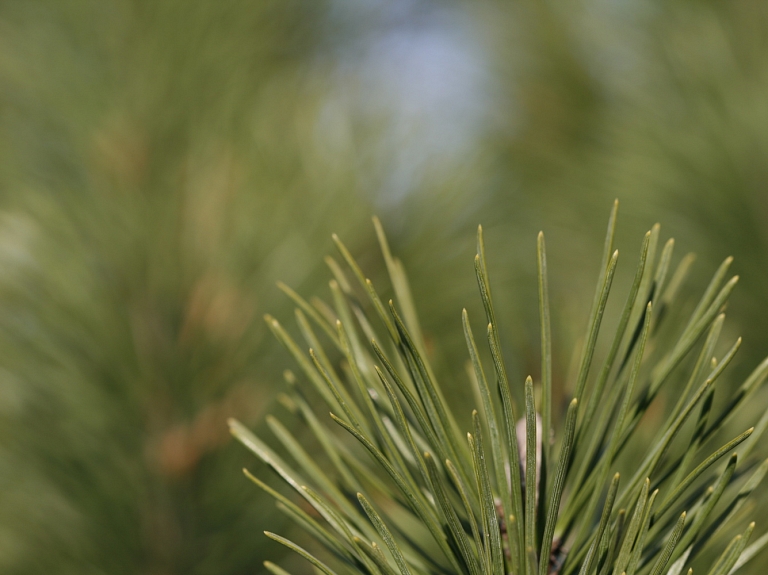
479, 500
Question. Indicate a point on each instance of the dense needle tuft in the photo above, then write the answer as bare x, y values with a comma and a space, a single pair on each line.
400, 488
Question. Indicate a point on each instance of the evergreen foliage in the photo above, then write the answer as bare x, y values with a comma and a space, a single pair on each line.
162, 161
150, 195
631, 476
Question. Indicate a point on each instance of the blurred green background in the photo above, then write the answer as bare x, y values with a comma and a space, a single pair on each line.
163, 163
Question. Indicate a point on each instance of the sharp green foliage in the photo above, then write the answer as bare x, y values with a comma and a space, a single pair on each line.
275, 569
594, 550
546, 348
301, 551
398, 491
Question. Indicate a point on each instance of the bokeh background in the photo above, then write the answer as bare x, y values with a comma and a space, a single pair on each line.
164, 162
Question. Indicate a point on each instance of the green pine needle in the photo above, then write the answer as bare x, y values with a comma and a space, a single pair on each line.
513, 499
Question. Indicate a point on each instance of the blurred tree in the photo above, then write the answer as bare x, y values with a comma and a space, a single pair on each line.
691, 132
161, 169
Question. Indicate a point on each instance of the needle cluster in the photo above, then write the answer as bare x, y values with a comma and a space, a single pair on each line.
526, 489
